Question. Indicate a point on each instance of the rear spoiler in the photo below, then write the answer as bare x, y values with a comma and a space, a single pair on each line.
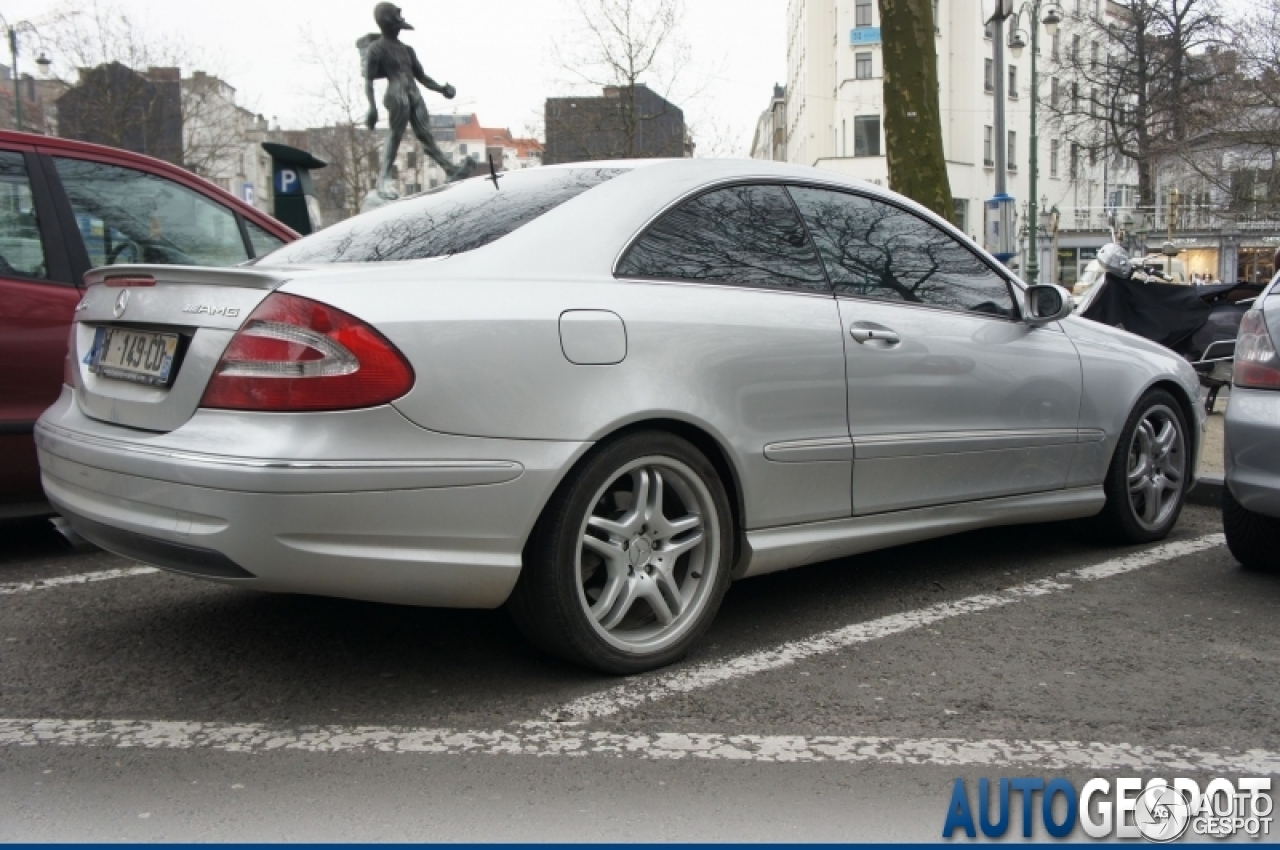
246, 278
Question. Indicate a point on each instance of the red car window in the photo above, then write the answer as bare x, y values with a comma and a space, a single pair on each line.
129, 216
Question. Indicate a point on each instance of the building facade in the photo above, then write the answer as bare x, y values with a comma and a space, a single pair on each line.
622, 123
770, 140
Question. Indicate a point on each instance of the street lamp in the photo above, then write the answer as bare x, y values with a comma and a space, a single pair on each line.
1052, 17
42, 60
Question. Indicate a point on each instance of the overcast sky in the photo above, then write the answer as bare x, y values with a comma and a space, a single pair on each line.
498, 53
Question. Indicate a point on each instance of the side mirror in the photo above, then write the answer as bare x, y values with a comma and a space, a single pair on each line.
1045, 303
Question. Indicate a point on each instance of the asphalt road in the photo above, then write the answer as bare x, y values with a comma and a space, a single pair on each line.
835, 702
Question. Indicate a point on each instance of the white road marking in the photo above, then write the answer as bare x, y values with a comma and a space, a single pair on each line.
558, 739
80, 578
651, 688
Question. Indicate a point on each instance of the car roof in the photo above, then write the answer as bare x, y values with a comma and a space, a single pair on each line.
142, 162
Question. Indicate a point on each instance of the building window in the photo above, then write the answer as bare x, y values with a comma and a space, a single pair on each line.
862, 65
990, 31
1055, 146
1053, 92
1075, 97
1074, 164
1013, 151
1056, 50
989, 76
1093, 156
988, 147
863, 13
1093, 55
1075, 49
937, 25
866, 135
1013, 82
960, 214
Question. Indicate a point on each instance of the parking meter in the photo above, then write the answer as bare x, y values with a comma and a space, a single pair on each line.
294, 193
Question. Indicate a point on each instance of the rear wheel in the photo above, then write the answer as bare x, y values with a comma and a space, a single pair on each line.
1254, 539
1146, 484
628, 564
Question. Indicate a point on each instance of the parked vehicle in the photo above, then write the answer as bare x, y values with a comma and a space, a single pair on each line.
1251, 497
1199, 322
69, 206
596, 393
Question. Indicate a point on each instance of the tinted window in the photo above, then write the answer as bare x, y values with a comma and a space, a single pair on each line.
263, 242
876, 250
128, 216
454, 218
746, 235
21, 252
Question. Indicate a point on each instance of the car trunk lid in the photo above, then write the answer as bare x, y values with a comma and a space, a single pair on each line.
133, 317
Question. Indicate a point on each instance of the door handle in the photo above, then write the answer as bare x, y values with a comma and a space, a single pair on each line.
882, 337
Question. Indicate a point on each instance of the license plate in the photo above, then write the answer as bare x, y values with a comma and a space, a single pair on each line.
143, 357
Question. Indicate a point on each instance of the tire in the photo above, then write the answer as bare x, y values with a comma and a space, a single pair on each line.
1147, 510
621, 590
1254, 539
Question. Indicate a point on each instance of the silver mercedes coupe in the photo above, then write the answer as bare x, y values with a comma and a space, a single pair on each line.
598, 393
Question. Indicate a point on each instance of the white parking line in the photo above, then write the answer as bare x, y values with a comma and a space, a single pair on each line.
81, 578
651, 688
557, 739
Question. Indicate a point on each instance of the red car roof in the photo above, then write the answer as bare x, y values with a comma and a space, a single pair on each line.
55, 145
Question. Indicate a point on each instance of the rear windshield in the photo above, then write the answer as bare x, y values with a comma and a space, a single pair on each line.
454, 218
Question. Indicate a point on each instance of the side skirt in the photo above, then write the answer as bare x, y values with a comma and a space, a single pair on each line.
769, 550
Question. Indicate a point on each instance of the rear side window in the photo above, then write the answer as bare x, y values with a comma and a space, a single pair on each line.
874, 249
21, 252
455, 218
743, 235
130, 216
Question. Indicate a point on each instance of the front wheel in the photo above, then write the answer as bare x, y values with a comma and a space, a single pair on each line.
1146, 483
627, 566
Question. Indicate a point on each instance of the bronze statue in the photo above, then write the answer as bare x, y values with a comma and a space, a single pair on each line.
385, 57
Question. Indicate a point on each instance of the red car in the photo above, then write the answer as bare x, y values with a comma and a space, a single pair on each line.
67, 207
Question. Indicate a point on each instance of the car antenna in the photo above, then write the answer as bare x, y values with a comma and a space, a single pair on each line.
493, 173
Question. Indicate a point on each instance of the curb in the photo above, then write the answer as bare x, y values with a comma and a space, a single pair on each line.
1208, 491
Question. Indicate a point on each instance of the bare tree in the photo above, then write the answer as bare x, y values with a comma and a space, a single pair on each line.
340, 138
122, 85
1137, 83
632, 51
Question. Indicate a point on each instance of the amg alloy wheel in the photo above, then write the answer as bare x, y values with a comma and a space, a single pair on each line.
1146, 484
629, 563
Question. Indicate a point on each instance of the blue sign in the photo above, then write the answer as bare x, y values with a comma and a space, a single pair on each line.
287, 182
247, 193
866, 35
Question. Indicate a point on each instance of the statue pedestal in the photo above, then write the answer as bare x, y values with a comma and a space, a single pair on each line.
373, 201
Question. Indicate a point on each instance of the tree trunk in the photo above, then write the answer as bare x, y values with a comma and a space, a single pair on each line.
913, 121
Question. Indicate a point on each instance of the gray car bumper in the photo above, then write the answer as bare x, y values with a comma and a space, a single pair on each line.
1252, 433
378, 509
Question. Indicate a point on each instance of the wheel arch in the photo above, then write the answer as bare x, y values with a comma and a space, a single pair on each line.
711, 447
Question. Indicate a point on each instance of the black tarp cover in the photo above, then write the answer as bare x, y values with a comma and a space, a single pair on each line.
1167, 313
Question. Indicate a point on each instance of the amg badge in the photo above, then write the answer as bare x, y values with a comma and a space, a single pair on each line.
206, 310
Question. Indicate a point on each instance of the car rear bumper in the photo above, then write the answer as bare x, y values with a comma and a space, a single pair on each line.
379, 509
1252, 435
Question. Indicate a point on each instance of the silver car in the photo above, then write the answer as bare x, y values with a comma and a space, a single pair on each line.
1251, 498
597, 394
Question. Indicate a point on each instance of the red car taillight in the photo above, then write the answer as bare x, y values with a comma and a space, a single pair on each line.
1257, 366
294, 354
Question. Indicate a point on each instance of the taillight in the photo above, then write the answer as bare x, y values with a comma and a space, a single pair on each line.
1257, 366
294, 354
